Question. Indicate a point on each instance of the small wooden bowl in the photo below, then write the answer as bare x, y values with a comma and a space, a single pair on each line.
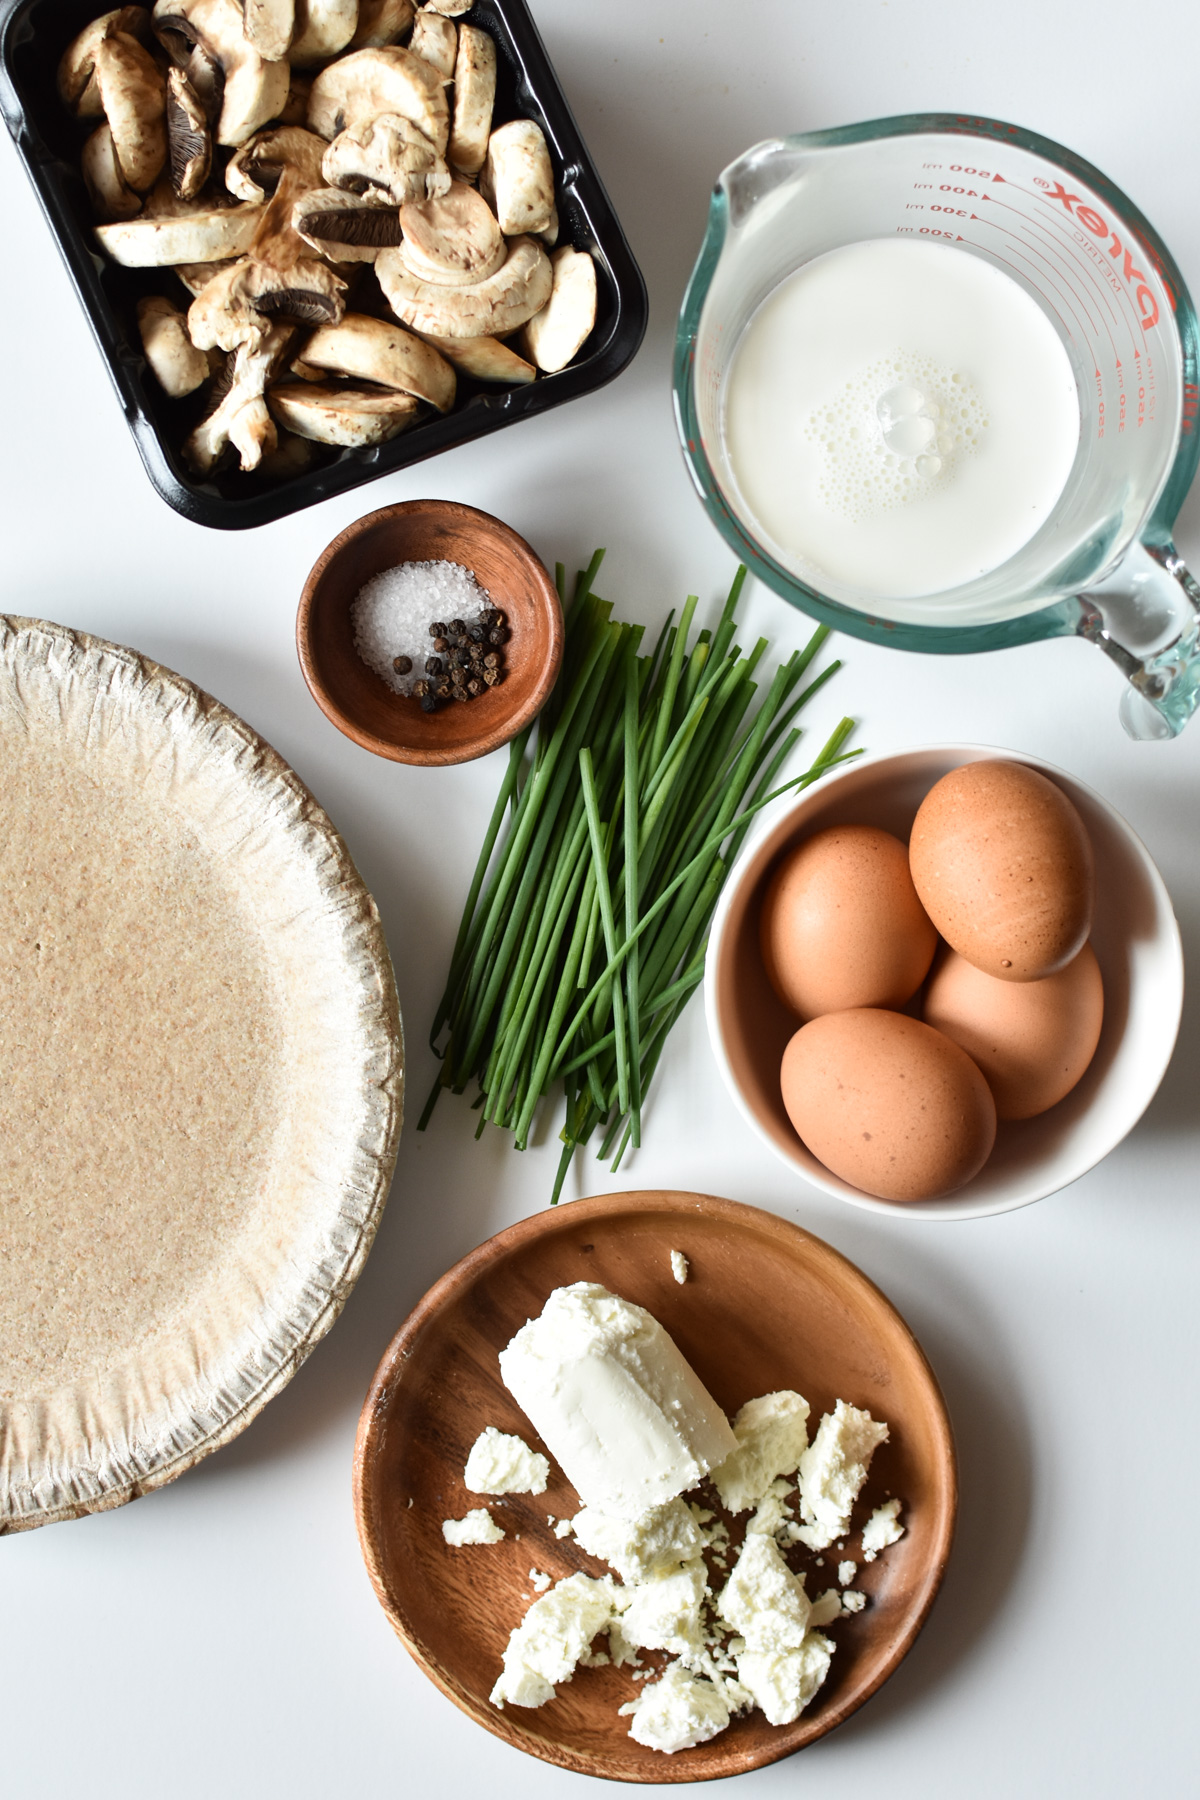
362, 705
765, 1306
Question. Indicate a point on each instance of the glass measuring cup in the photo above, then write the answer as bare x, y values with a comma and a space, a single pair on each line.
1102, 565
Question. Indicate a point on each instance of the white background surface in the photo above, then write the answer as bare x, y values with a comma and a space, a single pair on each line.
220, 1636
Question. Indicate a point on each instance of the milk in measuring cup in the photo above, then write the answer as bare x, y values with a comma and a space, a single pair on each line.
900, 418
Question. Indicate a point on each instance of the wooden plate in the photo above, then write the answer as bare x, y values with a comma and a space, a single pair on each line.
765, 1306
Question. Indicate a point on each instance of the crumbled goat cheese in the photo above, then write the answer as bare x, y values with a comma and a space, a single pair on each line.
770, 1515
763, 1599
846, 1572
563, 1528
501, 1464
832, 1472
664, 1613
678, 1712
621, 1409
477, 1527
679, 1266
553, 1637
853, 1601
881, 1529
540, 1580
652, 1545
771, 1434
826, 1608
783, 1682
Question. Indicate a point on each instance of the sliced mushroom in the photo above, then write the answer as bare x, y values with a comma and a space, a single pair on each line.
188, 139
474, 97
278, 278
196, 276
134, 97
110, 193
369, 82
381, 22
268, 25
553, 335
77, 88
517, 178
486, 358
254, 171
292, 455
255, 88
549, 235
518, 289
240, 416
323, 29
175, 360
199, 237
452, 8
354, 418
347, 227
368, 349
454, 240
294, 110
436, 39
389, 153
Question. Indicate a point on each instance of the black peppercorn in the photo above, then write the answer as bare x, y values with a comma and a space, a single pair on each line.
460, 693
402, 664
491, 677
420, 689
474, 686
491, 660
497, 635
433, 665
443, 690
437, 629
439, 643
475, 633
428, 703
456, 628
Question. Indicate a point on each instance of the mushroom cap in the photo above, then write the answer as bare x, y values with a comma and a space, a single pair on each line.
323, 29
367, 349
353, 418
517, 177
453, 240
485, 358
76, 87
381, 22
111, 195
436, 39
386, 152
474, 97
200, 237
179, 367
133, 94
519, 288
366, 83
554, 335
346, 227
254, 171
268, 25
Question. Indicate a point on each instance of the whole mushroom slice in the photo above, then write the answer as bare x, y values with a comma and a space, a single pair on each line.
179, 367
323, 29
200, 237
189, 142
519, 288
354, 418
110, 194
254, 172
134, 97
367, 349
369, 82
554, 335
77, 88
485, 358
255, 88
268, 25
517, 178
387, 152
474, 97
436, 39
347, 227
454, 239
381, 22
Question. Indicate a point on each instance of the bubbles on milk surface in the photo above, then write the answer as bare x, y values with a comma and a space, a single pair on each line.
896, 432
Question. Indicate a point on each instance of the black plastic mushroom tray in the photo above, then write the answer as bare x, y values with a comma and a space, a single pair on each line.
33, 36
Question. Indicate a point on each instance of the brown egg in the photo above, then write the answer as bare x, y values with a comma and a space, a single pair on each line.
888, 1104
842, 926
1032, 1039
1003, 865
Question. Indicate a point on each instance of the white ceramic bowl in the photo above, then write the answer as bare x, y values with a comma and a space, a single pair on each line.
1134, 935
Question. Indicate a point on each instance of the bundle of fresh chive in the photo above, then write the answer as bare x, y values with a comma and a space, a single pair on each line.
583, 936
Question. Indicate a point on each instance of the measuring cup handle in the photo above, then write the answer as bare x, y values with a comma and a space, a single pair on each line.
1146, 617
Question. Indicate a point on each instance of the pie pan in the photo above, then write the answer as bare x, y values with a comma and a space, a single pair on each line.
33, 36
765, 1306
200, 1074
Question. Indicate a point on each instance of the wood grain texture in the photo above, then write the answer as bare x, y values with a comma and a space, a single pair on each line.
766, 1306
363, 706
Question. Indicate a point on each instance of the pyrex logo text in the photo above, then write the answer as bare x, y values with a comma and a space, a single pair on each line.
1091, 220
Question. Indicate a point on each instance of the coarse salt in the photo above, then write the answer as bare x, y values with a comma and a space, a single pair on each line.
391, 614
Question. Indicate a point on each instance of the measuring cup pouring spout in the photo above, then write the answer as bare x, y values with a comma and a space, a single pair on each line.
1101, 564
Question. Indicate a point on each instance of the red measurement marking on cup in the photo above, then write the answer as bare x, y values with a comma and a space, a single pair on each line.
1095, 323
1105, 288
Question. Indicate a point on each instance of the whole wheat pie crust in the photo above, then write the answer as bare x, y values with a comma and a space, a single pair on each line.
200, 1074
